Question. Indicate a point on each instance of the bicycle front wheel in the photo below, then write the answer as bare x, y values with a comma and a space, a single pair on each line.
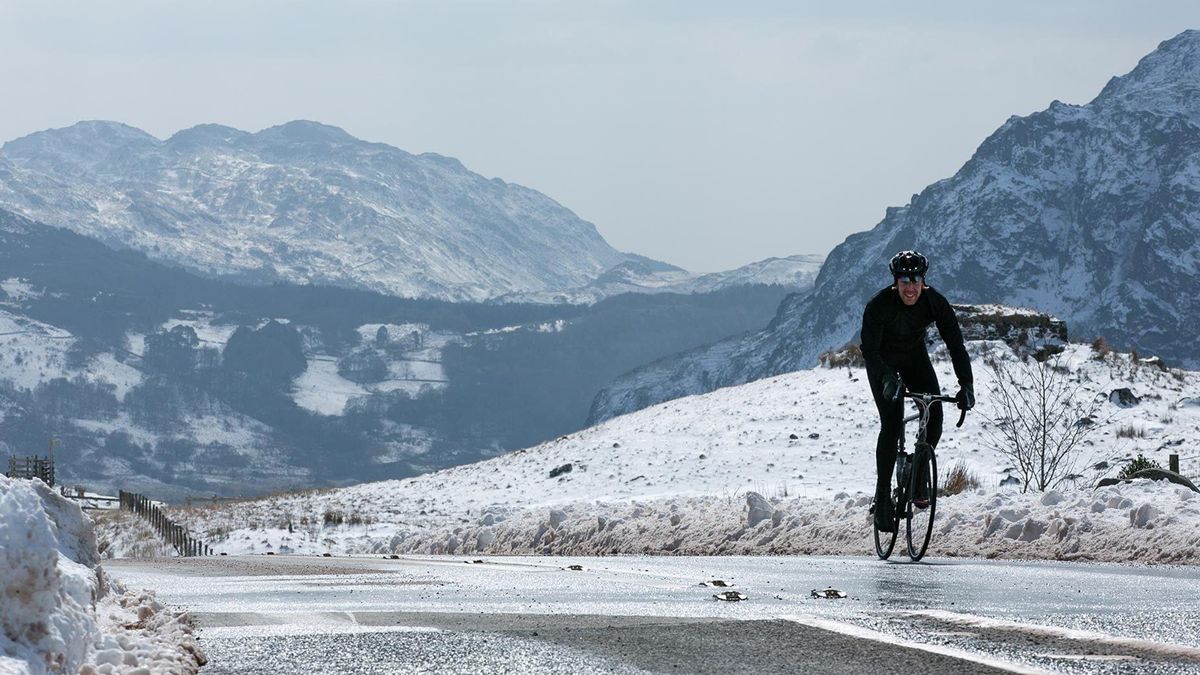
884, 542
922, 501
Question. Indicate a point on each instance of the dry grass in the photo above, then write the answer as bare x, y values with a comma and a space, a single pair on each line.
958, 479
1131, 432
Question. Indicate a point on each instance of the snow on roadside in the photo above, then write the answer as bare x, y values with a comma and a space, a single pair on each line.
59, 612
1141, 521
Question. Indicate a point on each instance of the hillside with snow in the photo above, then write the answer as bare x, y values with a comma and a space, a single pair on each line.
675, 478
156, 380
1088, 212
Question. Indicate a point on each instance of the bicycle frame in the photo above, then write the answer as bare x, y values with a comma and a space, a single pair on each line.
924, 401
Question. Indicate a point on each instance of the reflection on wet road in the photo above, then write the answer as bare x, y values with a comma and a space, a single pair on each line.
534, 614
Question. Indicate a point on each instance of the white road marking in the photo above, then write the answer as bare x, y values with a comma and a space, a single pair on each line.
1165, 649
1089, 657
868, 634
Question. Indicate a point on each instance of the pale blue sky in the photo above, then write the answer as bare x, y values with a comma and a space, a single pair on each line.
706, 134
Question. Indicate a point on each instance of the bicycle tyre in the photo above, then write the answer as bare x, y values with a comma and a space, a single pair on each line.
884, 541
918, 521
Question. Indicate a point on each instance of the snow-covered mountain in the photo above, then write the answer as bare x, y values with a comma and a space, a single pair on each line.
1089, 212
643, 275
796, 271
305, 203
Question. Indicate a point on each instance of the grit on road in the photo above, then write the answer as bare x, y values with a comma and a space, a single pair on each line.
284, 614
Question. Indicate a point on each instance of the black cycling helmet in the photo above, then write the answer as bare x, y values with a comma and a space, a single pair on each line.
908, 264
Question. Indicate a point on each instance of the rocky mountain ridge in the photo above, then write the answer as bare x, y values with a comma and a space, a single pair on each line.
795, 272
305, 203
1087, 212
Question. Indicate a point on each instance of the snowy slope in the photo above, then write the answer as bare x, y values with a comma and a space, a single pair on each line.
302, 202
702, 454
1090, 213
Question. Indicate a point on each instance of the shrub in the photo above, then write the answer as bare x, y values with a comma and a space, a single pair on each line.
1136, 466
1040, 417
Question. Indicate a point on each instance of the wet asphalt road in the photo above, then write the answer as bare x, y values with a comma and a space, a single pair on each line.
631, 614
570, 646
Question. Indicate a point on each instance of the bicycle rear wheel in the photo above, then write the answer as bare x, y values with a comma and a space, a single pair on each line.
922, 490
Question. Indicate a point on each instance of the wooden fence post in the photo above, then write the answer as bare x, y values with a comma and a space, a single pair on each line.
1173, 462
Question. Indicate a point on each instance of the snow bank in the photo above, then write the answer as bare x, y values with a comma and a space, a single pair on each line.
1142, 521
58, 610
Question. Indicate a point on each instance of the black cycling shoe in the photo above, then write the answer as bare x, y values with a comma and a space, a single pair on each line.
885, 518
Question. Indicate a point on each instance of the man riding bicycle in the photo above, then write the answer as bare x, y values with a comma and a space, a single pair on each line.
893, 346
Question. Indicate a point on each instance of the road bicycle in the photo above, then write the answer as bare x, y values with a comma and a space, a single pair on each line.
914, 499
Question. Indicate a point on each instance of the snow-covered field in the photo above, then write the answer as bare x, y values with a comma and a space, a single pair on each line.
675, 478
416, 369
60, 612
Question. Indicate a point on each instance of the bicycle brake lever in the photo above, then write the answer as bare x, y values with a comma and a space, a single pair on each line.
961, 418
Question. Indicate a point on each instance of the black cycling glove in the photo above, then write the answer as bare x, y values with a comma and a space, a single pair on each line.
966, 397
893, 386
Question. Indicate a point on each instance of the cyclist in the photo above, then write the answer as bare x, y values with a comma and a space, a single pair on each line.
893, 346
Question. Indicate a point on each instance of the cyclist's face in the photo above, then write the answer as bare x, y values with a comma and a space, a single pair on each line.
909, 289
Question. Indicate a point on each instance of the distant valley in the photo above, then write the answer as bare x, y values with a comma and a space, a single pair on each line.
151, 378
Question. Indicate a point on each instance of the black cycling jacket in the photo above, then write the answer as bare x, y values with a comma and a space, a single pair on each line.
893, 332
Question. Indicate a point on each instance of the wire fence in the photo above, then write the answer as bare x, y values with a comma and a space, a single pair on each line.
1189, 467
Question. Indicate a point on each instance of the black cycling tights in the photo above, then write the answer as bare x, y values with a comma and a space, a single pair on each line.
919, 376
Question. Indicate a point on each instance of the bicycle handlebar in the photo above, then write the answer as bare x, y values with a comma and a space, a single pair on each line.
933, 398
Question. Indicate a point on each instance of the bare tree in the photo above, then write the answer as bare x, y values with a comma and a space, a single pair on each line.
1041, 415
